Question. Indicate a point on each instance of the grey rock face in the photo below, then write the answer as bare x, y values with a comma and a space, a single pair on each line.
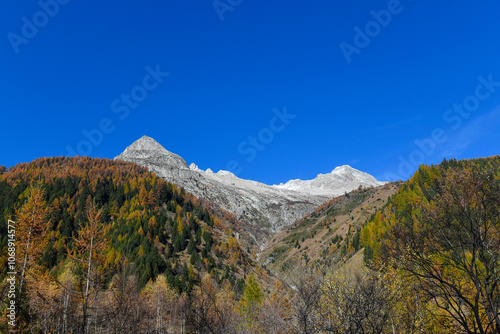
270, 208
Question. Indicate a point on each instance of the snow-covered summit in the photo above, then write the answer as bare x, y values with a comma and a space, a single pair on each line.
344, 169
342, 179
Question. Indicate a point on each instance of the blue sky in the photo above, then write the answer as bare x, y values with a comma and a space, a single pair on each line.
377, 85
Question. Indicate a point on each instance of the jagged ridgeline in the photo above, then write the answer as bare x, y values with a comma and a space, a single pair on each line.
152, 227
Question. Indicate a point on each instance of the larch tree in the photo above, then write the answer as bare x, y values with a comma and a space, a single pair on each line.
163, 306
276, 311
32, 230
210, 310
125, 308
89, 250
250, 303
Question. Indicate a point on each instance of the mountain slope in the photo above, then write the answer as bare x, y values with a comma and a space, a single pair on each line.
328, 235
156, 226
267, 209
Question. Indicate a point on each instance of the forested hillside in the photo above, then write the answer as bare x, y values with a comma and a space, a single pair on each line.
106, 246
428, 184
139, 224
440, 235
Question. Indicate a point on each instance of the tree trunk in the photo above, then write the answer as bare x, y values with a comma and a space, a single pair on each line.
86, 297
24, 266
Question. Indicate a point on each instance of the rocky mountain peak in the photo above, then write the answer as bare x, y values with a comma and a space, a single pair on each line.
147, 143
146, 148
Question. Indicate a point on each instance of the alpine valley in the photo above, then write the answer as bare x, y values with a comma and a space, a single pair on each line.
266, 209
146, 243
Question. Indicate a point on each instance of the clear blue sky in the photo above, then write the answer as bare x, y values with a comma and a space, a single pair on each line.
227, 76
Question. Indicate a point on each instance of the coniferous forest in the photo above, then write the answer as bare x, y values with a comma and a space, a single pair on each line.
103, 246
